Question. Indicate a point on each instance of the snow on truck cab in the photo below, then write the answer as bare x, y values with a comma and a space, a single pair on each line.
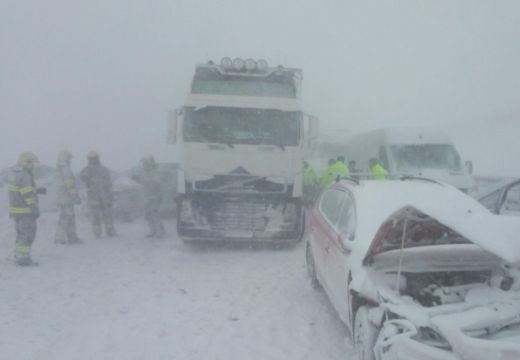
241, 135
413, 151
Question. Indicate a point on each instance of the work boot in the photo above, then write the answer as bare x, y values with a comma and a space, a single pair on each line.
97, 231
75, 241
111, 233
26, 261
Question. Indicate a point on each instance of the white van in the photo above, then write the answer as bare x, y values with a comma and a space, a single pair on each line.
413, 151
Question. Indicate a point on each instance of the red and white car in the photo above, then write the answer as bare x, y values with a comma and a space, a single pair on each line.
417, 270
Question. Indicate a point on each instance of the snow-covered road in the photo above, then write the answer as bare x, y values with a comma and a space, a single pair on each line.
132, 298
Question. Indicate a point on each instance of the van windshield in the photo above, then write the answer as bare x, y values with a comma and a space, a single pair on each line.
426, 156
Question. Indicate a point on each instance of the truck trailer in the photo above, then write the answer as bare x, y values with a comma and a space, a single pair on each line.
241, 136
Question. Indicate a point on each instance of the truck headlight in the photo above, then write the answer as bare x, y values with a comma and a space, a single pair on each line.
290, 213
186, 211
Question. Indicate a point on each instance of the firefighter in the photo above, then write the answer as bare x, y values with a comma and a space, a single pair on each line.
23, 207
152, 182
99, 195
354, 171
332, 172
311, 184
67, 197
377, 171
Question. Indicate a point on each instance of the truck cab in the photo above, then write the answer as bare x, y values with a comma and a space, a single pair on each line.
240, 137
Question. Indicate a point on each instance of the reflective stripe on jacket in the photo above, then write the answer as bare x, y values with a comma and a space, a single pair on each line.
66, 186
22, 192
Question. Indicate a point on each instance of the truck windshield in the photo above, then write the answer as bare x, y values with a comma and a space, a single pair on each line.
242, 126
426, 156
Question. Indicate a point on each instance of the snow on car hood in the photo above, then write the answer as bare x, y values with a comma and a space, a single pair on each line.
377, 201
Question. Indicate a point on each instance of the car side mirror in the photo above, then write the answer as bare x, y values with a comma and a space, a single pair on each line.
469, 167
345, 239
172, 126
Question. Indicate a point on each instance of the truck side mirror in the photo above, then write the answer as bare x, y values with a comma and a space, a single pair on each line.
172, 126
313, 130
469, 167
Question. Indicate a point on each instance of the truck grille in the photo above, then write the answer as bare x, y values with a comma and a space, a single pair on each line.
240, 215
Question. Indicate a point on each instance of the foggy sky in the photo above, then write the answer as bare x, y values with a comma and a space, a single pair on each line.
98, 74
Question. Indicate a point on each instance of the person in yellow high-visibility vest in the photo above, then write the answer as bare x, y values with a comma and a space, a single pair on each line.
377, 171
311, 184
23, 207
67, 197
333, 171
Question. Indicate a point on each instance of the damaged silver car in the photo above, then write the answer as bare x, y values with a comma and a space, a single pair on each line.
417, 270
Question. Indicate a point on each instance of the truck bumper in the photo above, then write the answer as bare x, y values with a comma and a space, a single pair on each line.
243, 219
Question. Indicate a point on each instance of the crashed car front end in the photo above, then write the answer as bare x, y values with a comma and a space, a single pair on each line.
440, 294
484, 325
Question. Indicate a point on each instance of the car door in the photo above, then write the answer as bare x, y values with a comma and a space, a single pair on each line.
338, 256
323, 231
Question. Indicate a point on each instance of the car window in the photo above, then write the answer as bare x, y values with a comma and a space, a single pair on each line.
490, 201
512, 201
347, 217
330, 205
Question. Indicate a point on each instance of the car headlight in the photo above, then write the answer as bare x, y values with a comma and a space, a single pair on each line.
429, 336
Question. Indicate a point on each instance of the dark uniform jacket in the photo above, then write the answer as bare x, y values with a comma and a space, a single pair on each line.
23, 200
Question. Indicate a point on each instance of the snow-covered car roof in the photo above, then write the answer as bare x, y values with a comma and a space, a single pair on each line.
376, 201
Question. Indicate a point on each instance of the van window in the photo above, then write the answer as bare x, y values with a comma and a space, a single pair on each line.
383, 157
426, 156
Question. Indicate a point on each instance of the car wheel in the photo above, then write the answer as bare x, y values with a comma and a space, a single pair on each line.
365, 335
311, 268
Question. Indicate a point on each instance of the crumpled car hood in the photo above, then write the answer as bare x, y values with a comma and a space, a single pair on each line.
499, 235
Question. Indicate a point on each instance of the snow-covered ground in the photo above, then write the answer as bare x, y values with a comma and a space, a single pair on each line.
133, 298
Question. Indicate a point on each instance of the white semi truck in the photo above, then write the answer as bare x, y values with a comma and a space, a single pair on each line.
241, 136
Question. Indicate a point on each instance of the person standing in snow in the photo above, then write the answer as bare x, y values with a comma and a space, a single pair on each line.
331, 173
354, 171
99, 195
67, 197
23, 207
377, 171
311, 184
152, 182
